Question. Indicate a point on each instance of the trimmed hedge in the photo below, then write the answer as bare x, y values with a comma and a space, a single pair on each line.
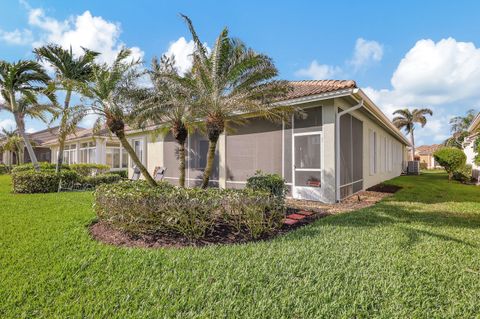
108, 178
46, 181
272, 183
122, 173
90, 169
43, 166
193, 213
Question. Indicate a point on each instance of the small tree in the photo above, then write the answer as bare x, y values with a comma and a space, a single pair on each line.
451, 159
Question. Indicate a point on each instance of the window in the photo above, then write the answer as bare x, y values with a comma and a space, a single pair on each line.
373, 152
70, 154
116, 156
88, 152
138, 148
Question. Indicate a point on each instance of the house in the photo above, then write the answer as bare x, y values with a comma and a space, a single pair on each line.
469, 145
339, 144
37, 139
88, 146
424, 154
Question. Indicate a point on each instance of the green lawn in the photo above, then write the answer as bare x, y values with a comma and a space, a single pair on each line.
416, 254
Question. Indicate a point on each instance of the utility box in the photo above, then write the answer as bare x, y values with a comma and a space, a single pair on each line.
413, 167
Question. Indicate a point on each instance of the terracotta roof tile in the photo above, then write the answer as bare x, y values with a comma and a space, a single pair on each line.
427, 149
313, 87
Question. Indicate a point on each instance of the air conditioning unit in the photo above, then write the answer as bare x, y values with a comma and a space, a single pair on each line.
413, 167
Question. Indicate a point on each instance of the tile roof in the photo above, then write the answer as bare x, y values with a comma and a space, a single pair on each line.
313, 87
427, 149
81, 133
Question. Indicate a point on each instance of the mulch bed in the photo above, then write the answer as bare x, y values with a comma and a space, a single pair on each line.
299, 213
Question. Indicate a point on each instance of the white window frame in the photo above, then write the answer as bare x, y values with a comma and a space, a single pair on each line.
71, 151
142, 150
90, 146
111, 149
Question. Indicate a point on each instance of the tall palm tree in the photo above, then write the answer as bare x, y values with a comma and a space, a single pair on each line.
406, 119
71, 75
231, 80
111, 91
21, 83
168, 105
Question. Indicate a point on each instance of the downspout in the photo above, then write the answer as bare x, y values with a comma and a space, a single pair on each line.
337, 146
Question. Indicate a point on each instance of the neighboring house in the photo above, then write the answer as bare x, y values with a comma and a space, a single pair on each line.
37, 139
468, 145
341, 144
87, 146
424, 154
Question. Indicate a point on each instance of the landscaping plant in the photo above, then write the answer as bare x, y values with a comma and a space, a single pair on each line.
451, 159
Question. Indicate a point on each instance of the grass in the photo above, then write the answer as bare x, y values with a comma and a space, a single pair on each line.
416, 254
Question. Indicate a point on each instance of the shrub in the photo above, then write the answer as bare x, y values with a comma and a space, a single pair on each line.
45, 181
451, 159
463, 174
140, 209
43, 166
123, 173
96, 180
272, 183
3, 169
90, 169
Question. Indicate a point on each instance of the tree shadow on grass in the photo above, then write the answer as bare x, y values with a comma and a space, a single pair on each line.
407, 219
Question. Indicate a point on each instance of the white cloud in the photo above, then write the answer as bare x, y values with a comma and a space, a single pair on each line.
16, 37
85, 30
182, 51
318, 71
366, 52
30, 130
434, 73
7, 124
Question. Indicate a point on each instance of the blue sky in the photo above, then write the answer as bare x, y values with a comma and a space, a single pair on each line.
403, 53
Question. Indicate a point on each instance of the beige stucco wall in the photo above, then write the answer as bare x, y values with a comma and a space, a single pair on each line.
152, 149
383, 173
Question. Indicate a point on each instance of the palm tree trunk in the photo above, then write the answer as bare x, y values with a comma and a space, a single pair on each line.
26, 140
412, 141
181, 164
135, 159
212, 147
63, 130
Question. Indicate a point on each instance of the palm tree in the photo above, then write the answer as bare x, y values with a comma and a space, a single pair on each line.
169, 105
406, 119
111, 91
71, 75
13, 143
230, 81
459, 128
20, 85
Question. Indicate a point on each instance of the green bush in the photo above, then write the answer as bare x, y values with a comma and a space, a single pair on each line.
43, 166
193, 213
45, 181
96, 180
464, 174
122, 173
451, 159
272, 183
90, 169
4, 169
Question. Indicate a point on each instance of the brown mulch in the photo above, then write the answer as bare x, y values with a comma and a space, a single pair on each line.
104, 232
